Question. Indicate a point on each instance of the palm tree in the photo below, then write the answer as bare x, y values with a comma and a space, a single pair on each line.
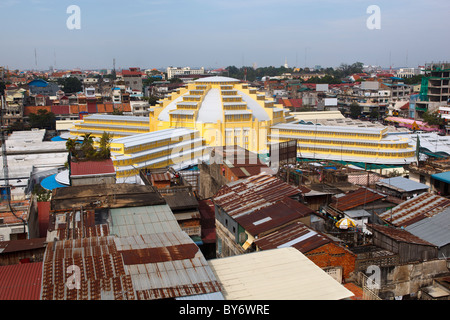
88, 145
105, 146
70, 145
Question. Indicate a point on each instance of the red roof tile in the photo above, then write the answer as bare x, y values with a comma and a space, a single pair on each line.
74, 109
58, 110
21, 281
91, 167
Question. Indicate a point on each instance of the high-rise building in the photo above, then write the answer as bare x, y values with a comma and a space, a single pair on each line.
435, 88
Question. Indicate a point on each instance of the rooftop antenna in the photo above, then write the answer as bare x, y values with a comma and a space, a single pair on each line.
35, 57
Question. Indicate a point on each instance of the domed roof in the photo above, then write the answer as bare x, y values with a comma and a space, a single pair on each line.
217, 79
210, 105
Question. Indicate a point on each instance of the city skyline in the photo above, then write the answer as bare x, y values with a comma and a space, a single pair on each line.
217, 34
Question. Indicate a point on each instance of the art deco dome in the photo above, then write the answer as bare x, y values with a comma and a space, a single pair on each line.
220, 103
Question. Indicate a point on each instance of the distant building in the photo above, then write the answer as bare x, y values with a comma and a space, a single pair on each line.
40, 86
133, 78
434, 92
174, 71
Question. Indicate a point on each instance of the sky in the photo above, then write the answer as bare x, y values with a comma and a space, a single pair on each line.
221, 33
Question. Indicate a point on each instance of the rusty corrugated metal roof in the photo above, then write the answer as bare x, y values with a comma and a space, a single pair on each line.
22, 245
400, 235
66, 224
273, 216
256, 192
296, 235
166, 265
415, 209
140, 266
357, 198
102, 271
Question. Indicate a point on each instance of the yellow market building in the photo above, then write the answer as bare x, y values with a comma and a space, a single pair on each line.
346, 143
224, 110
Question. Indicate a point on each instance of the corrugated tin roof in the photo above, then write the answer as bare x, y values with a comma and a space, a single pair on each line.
20, 281
278, 274
102, 271
296, 235
415, 209
273, 216
397, 234
256, 192
115, 195
402, 184
143, 220
21, 245
435, 229
357, 198
166, 265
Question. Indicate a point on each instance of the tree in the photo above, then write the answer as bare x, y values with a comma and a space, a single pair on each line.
355, 110
105, 146
374, 114
71, 146
71, 85
42, 195
433, 118
87, 146
43, 119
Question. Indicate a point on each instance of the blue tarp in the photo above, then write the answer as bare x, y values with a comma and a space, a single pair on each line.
50, 183
58, 138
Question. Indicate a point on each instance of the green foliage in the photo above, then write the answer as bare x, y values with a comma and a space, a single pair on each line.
71, 85
335, 75
328, 79
374, 113
355, 110
433, 118
42, 195
43, 120
87, 151
413, 80
117, 112
105, 146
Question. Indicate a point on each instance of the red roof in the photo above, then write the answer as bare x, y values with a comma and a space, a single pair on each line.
91, 167
131, 73
21, 281
357, 198
60, 110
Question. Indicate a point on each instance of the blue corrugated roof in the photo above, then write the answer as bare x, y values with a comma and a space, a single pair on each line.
443, 176
404, 184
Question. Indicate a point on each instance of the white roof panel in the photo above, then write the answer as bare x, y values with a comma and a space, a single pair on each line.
278, 274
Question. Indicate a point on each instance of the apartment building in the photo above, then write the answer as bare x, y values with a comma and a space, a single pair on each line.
174, 71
